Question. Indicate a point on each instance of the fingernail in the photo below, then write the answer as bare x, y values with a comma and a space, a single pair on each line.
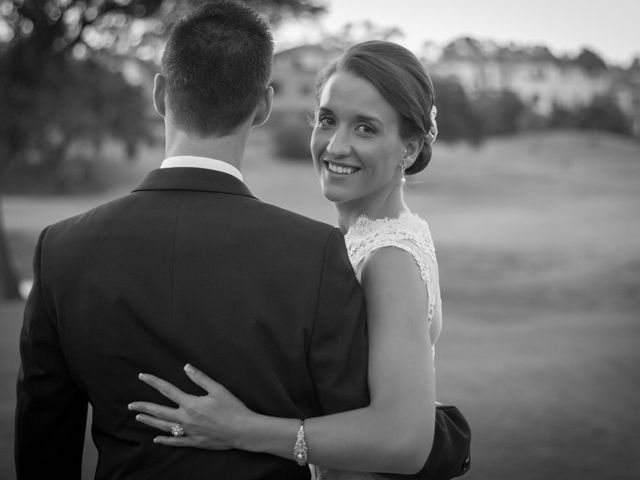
155, 440
130, 406
188, 368
141, 376
138, 417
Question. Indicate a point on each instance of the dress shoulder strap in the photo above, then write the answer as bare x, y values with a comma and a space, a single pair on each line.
408, 232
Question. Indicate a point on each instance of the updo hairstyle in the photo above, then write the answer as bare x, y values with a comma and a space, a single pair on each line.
401, 80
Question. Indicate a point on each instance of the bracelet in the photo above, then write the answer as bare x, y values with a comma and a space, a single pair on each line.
300, 450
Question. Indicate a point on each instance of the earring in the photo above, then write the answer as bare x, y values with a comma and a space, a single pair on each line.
403, 167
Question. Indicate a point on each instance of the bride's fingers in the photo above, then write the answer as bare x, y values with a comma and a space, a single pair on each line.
155, 422
153, 409
200, 378
164, 387
175, 441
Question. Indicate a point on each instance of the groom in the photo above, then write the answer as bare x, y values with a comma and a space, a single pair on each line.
191, 267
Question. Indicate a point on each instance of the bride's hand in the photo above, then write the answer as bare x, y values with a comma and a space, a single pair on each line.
214, 421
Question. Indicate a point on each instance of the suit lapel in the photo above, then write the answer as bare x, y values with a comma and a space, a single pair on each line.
194, 179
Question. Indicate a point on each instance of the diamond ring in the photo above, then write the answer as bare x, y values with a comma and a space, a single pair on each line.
177, 430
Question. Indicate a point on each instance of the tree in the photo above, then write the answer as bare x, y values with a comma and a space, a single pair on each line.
43, 81
590, 61
361, 31
59, 77
604, 114
457, 120
501, 112
562, 117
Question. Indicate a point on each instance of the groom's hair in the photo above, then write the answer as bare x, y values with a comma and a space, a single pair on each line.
217, 64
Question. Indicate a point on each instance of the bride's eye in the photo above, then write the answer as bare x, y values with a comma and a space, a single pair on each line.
325, 120
365, 128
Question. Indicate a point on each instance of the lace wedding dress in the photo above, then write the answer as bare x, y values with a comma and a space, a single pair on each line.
410, 233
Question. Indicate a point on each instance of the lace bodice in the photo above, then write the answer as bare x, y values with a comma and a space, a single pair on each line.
407, 232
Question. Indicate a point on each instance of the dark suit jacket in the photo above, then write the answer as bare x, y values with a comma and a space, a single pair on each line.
190, 267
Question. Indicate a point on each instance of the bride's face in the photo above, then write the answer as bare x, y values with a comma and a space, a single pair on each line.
355, 144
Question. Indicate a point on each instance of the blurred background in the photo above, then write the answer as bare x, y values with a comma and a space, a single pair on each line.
533, 192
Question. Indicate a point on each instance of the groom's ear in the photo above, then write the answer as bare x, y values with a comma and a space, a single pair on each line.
159, 90
263, 110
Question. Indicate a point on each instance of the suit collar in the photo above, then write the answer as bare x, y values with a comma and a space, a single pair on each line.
193, 179
195, 161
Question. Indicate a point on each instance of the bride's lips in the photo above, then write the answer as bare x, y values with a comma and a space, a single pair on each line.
339, 169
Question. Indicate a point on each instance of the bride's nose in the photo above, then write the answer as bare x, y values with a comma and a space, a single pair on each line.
339, 143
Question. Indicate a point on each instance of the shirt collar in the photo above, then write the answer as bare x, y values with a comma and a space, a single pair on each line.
202, 162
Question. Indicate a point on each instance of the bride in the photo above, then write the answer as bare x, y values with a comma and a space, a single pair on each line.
374, 124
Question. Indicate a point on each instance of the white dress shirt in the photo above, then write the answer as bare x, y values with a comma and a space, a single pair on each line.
202, 162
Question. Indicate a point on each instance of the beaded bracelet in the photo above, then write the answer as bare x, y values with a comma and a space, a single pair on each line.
300, 450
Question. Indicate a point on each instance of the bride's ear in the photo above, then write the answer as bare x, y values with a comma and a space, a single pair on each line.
412, 148
263, 110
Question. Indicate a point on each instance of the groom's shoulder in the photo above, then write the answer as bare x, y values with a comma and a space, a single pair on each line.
79, 221
281, 218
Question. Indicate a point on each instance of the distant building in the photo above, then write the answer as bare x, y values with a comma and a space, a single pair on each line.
539, 84
294, 75
539, 78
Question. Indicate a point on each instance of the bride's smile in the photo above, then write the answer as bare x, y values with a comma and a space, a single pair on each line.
340, 169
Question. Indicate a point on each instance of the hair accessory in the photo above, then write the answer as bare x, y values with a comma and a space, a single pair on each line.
432, 134
300, 450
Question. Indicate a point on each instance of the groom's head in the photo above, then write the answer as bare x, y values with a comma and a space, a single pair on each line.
215, 69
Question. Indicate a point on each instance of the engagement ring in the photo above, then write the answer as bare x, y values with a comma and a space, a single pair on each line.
177, 430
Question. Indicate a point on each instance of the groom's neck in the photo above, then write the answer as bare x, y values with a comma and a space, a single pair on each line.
228, 148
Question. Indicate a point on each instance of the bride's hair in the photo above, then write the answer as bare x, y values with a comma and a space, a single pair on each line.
402, 81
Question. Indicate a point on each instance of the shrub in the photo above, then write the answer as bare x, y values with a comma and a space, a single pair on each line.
290, 134
603, 113
457, 120
502, 112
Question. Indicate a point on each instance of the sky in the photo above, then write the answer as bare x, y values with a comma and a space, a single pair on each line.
608, 27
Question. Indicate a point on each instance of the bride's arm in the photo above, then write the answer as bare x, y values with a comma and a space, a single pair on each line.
393, 434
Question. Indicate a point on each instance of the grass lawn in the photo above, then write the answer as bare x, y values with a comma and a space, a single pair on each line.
537, 243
